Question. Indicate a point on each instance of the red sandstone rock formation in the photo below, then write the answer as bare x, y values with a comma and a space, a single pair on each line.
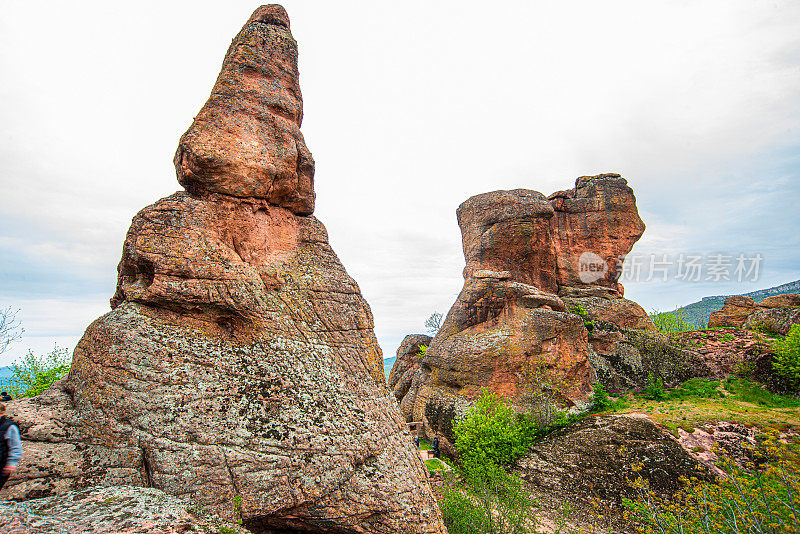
246, 140
521, 250
734, 312
775, 314
239, 360
596, 219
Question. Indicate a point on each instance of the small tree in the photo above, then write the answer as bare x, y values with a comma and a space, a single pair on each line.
434, 322
10, 327
35, 374
787, 357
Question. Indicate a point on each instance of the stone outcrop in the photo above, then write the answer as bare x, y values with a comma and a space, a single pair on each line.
775, 314
406, 370
238, 367
734, 312
624, 359
596, 456
110, 510
246, 140
596, 223
529, 296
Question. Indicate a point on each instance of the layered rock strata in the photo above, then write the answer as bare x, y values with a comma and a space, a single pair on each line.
537, 269
238, 367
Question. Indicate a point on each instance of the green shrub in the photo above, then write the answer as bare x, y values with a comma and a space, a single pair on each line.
490, 432
671, 322
786, 362
35, 374
489, 501
601, 399
421, 351
654, 390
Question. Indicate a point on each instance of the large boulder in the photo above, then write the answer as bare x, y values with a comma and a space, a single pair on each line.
734, 312
522, 251
238, 367
602, 456
246, 140
595, 225
407, 370
510, 231
773, 320
774, 315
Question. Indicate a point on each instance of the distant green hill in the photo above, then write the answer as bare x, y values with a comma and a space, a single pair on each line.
387, 365
698, 313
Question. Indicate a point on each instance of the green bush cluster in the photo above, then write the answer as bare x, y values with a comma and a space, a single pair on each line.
35, 374
786, 362
487, 499
491, 433
671, 322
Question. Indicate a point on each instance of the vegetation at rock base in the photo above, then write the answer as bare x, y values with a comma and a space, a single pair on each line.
756, 499
489, 501
491, 433
35, 374
786, 362
671, 322
481, 497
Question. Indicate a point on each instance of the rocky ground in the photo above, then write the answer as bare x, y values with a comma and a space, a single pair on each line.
116, 509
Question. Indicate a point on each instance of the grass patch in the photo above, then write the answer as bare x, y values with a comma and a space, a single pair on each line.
435, 464
753, 393
425, 445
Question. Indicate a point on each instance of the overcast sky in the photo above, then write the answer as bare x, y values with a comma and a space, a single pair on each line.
410, 108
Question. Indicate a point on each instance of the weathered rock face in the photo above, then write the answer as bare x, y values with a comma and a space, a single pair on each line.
110, 510
774, 314
597, 218
521, 252
246, 141
596, 456
510, 231
734, 312
624, 359
238, 367
773, 320
406, 370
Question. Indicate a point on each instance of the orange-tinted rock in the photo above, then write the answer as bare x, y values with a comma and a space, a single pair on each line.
407, 370
786, 300
734, 312
493, 333
595, 224
522, 248
510, 231
238, 367
246, 140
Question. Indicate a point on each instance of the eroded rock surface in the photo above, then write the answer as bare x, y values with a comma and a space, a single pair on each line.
238, 367
598, 456
526, 300
599, 217
773, 315
111, 510
246, 140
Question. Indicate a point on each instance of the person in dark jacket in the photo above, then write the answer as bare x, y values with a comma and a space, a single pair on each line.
436, 451
10, 446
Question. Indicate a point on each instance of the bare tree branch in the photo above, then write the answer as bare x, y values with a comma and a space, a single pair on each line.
10, 327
